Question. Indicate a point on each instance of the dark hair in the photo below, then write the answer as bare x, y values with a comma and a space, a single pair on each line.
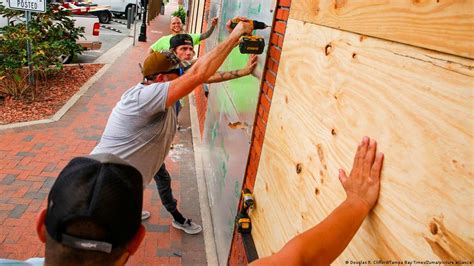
59, 254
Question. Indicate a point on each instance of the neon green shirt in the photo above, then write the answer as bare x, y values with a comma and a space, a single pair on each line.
163, 43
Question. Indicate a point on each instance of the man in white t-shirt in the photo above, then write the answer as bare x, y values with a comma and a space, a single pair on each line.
142, 125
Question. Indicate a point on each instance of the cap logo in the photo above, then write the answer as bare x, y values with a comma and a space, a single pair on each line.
88, 245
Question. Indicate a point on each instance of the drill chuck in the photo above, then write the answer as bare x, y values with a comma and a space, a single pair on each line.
247, 198
257, 25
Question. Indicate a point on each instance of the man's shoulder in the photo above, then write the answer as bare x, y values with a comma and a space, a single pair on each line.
148, 88
162, 43
140, 93
164, 38
196, 37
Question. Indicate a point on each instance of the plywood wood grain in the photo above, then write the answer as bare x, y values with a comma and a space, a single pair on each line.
333, 88
443, 25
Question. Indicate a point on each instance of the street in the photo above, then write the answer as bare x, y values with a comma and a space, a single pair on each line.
110, 35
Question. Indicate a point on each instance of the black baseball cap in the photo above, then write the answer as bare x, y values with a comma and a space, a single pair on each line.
101, 189
180, 39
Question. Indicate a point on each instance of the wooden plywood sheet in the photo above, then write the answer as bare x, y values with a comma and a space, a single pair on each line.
333, 88
446, 25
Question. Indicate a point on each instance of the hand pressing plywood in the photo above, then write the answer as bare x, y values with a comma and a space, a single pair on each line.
443, 25
333, 88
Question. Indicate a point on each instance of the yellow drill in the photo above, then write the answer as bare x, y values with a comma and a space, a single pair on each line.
243, 220
244, 225
251, 44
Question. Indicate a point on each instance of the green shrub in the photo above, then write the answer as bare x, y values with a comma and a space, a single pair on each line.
52, 35
181, 13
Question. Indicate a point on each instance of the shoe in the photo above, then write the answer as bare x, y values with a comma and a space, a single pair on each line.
188, 226
145, 215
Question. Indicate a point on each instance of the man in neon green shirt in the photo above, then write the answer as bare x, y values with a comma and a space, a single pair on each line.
176, 27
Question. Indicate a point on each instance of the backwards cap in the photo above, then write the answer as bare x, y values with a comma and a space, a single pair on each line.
160, 62
181, 39
102, 189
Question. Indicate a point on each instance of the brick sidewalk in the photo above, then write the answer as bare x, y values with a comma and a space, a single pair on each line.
32, 157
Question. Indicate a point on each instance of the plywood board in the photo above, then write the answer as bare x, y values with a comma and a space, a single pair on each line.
333, 88
443, 25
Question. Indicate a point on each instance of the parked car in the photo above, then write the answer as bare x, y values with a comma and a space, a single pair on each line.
80, 8
90, 39
119, 8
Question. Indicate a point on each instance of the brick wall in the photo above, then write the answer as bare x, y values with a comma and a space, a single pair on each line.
237, 253
201, 99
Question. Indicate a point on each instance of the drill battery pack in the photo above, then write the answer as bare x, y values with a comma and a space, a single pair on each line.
252, 44
243, 223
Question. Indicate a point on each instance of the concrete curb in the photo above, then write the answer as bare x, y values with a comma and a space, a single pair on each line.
107, 59
208, 228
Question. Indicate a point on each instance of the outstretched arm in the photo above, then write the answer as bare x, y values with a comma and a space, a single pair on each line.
205, 66
228, 75
208, 33
322, 244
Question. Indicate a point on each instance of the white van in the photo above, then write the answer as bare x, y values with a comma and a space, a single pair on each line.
119, 7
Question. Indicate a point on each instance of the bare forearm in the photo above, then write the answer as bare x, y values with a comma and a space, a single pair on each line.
227, 75
201, 71
322, 244
207, 65
208, 33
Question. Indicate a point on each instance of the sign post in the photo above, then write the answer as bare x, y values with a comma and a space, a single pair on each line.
28, 51
38, 6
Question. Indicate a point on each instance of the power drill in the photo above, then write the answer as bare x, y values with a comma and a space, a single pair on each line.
242, 219
251, 44
244, 225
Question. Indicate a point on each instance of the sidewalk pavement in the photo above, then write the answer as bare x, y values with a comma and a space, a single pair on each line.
31, 158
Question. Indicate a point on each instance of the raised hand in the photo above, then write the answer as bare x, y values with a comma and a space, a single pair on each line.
251, 64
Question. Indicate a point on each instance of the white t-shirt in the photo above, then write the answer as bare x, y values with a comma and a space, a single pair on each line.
140, 129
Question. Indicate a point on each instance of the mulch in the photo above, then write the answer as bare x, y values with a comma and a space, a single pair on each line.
52, 95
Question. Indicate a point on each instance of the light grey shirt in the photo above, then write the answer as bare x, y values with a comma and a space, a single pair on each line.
140, 129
